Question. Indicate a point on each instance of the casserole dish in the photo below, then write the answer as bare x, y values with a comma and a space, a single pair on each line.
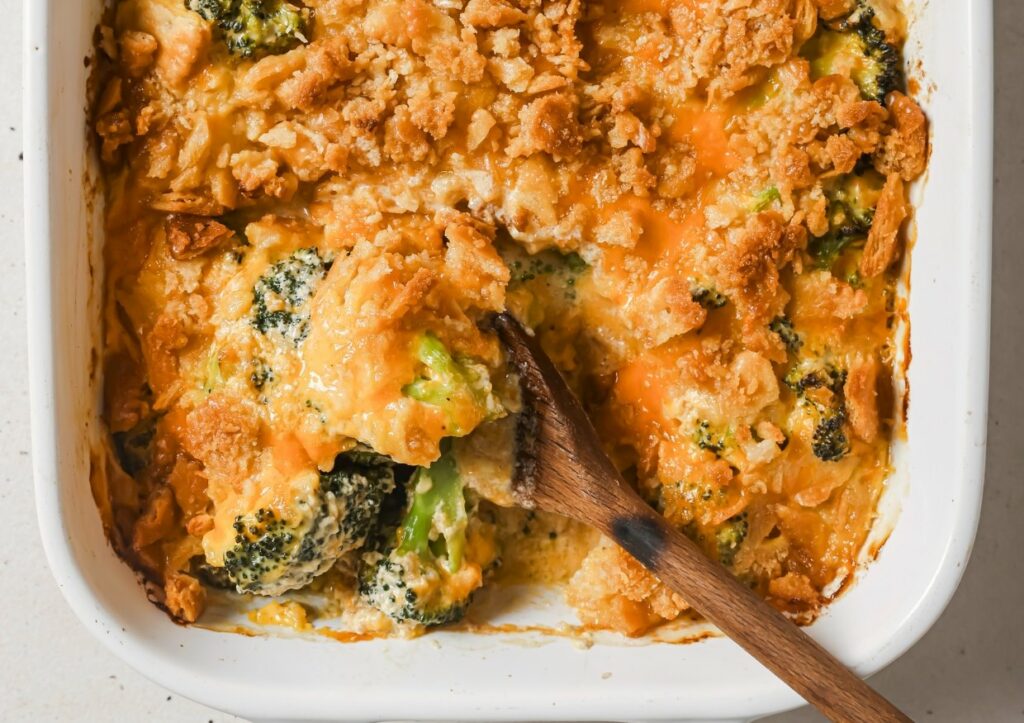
936, 483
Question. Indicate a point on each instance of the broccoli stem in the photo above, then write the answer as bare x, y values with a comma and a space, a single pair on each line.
213, 377
460, 388
445, 373
438, 505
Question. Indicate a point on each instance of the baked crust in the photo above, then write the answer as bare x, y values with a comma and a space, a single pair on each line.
679, 159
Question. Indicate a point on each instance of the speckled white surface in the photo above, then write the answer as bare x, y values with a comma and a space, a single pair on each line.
970, 667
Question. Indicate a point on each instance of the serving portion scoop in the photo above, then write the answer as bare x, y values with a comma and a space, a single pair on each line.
562, 468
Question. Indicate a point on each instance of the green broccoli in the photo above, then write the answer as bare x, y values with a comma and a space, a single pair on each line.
854, 197
419, 571
557, 270
729, 536
851, 209
819, 387
855, 48
708, 439
275, 551
461, 387
280, 294
830, 443
707, 296
765, 199
255, 27
261, 374
815, 374
783, 328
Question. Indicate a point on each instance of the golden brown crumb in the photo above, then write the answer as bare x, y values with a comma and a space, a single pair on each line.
612, 590
794, 587
861, 395
843, 153
491, 14
325, 65
819, 296
832, 9
403, 139
794, 169
665, 310
183, 37
157, 521
192, 236
471, 259
727, 43
433, 114
199, 525
189, 485
222, 434
115, 129
410, 294
905, 151
859, 112
548, 124
137, 51
883, 239
185, 597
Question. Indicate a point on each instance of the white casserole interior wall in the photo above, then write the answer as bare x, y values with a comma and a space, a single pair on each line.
474, 677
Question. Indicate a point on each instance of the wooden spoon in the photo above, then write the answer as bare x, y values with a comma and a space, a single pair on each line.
562, 468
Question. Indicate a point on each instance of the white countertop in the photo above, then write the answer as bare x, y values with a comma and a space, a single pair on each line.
970, 667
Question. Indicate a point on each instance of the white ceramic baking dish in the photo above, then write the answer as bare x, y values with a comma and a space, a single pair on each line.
938, 482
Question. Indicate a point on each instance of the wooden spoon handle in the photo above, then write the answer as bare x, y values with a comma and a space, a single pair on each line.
759, 628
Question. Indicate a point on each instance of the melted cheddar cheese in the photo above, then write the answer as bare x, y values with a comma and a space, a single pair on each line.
652, 186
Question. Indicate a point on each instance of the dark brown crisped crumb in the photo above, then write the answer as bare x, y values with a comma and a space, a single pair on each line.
191, 236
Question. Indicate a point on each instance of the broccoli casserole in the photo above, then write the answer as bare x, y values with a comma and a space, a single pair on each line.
699, 206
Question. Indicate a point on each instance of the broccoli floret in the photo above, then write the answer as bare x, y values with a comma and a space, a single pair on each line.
729, 537
708, 439
545, 263
279, 550
560, 271
707, 296
853, 197
280, 294
362, 478
830, 443
255, 27
261, 374
851, 209
461, 387
815, 374
819, 387
783, 327
855, 48
420, 572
